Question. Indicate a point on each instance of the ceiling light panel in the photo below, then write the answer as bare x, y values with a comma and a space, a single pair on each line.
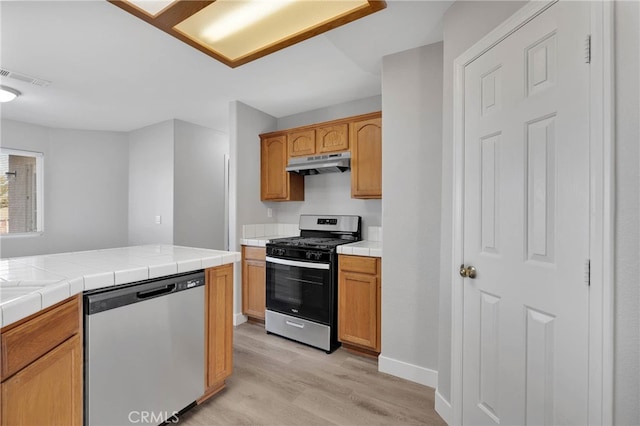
239, 31
237, 28
151, 7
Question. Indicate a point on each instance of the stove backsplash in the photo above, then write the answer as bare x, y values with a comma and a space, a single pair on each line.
270, 230
374, 233
371, 233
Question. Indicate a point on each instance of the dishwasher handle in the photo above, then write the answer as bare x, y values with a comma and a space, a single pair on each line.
156, 292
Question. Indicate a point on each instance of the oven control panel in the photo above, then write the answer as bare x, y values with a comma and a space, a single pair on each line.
294, 253
276, 251
313, 255
326, 221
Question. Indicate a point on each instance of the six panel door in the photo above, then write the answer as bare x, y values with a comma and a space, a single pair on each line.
526, 225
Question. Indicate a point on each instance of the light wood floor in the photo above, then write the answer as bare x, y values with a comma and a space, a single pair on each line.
279, 382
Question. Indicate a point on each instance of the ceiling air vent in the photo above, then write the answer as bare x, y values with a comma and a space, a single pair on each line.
22, 77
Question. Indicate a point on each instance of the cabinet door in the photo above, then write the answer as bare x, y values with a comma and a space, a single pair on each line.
366, 158
332, 138
48, 391
273, 163
358, 309
276, 184
253, 282
301, 143
219, 327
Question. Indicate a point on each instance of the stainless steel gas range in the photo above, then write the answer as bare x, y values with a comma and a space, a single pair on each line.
302, 280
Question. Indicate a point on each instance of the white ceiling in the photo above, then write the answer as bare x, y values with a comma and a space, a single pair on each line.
112, 71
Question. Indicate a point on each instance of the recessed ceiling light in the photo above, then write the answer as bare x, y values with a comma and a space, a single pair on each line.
239, 31
7, 94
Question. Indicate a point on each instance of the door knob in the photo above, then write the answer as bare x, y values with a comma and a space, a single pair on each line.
468, 272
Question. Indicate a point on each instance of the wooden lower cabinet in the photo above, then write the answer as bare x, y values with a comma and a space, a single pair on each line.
48, 391
359, 288
254, 289
42, 375
218, 328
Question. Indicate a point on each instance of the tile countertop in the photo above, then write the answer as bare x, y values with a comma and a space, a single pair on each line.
30, 284
362, 248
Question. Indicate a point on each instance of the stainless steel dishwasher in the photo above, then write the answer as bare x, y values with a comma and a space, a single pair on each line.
144, 350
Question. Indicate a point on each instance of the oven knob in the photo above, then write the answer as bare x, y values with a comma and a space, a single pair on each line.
317, 255
308, 255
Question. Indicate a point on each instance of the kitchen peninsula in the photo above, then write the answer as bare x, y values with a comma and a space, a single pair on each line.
41, 320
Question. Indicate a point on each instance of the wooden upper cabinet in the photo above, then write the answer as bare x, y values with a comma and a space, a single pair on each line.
276, 184
318, 140
362, 135
332, 138
302, 143
366, 158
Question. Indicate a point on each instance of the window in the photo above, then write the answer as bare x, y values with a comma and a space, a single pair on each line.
21, 197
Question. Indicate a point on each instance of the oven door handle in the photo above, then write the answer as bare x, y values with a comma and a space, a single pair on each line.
288, 262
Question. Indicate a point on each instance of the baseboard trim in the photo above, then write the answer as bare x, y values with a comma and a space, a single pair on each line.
404, 370
443, 408
239, 319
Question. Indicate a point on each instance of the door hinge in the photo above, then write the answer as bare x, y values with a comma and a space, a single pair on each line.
587, 50
587, 272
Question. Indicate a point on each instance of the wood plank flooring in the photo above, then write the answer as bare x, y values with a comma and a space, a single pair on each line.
279, 382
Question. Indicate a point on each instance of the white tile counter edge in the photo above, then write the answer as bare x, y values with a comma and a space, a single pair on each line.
109, 267
260, 241
362, 248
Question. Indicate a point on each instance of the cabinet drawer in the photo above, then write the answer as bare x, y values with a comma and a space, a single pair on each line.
254, 253
365, 265
23, 344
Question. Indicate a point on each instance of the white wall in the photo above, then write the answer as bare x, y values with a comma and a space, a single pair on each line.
85, 199
411, 183
245, 207
627, 222
151, 184
330, 193
464, 24
199, 207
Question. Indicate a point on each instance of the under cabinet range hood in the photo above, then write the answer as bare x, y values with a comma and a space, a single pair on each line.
317, 164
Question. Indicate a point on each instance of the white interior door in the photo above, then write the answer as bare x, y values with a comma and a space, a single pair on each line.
526, 225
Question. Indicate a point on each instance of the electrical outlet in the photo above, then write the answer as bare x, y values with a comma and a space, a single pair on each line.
269, 212
158, 220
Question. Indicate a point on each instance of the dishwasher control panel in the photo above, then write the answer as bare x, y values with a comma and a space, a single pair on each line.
191, 283
114, 297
